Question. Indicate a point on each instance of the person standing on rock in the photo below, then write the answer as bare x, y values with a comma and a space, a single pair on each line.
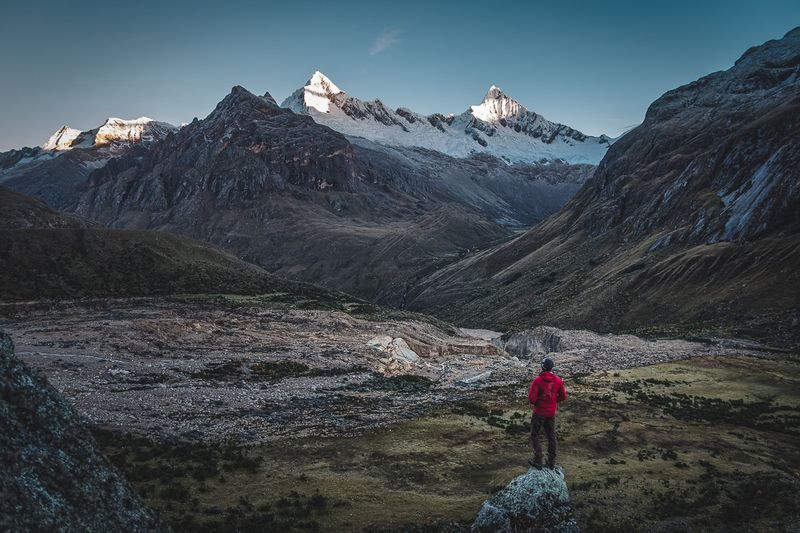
545, 392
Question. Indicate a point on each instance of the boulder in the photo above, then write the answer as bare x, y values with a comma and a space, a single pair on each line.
536, 501
400, 353
476, 379
539, 341
401, 350
380, 342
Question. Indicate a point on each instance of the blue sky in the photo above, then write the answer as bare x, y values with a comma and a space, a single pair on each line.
593, 65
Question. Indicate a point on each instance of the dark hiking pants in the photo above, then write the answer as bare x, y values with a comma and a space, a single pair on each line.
549, 424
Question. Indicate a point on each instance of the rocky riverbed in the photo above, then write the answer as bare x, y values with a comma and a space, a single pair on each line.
186, 369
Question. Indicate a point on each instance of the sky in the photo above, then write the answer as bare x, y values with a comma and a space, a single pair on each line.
592, 65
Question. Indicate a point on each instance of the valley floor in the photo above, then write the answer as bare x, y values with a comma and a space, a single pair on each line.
695, 445
229, 413
254, 369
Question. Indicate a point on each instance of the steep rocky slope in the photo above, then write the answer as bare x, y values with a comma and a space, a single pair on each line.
499, 126
690, 222
53, 477
306, 202
56, 171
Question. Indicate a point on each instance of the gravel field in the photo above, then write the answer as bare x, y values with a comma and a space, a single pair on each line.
173, 370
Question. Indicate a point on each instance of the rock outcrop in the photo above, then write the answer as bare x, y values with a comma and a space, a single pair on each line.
535, 501
53, 477
399, 356
540, 340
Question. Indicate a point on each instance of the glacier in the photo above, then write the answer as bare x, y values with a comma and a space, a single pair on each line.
499, 126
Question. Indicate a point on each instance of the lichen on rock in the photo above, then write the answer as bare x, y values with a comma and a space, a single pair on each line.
535, 501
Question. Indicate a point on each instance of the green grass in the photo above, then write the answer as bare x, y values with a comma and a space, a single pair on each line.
64, 263
693, 443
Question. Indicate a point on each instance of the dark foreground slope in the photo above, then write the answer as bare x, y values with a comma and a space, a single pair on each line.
306, 202
691, 221
53, 477
45, 254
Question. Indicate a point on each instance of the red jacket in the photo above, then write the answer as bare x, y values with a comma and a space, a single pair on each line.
546, 390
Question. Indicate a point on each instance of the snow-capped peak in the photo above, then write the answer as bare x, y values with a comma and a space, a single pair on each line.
499, 125
61, 139
493, 92
318, 94
322, 83
117, 130
114, 131
497, 105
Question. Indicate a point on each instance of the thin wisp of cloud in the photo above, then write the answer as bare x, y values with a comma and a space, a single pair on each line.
383, 41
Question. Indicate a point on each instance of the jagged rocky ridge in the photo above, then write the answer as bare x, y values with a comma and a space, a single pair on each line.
55, 171
306, 202
499, 126
53, 477
691, 220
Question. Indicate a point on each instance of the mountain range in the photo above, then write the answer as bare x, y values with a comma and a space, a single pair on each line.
55, 171
499, 126
307, 202
687, 224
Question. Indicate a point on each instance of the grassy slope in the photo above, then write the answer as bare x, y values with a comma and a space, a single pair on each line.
750, 290
20, 211
95, 262
693, 444
45, 254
